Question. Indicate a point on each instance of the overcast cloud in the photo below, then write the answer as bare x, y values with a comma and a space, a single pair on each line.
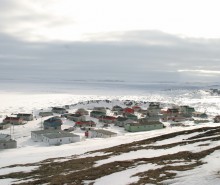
140, 56
63, 40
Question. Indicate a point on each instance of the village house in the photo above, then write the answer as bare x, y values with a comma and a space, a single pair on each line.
121, 121
117, 108
128, 111
53, 123
76, 117
177, 118
100, 109
186, 110
136, 108
131, 116
45, 114
153, 109
82, 112
170, 112
153, 118
60, 138
97, 114
143, 112
13, 120
100, 133
66, 107
37, 136
107, 119
59, 110
6, 142
25, 117
143, 126
54, 137
85, 124
199, 115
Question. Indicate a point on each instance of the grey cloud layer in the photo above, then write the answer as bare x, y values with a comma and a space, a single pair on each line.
140, 56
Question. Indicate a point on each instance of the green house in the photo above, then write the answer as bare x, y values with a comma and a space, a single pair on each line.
187, 110
138, 127
132, 117
97, 114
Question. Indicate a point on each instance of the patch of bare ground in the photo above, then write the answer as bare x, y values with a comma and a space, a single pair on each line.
76, 170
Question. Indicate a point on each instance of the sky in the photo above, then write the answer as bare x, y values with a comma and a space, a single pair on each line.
139, 40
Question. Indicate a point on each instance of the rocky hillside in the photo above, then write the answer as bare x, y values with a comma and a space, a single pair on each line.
185, 157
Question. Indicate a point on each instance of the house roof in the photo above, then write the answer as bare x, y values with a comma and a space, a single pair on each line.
59, 135
131, 115
85, 122
105, 132
97, 112
12, 119
121, 118
128, 109
58, 108
45, 131
146, 123
81, 110
24, 114
117, 106
107, 117
54, 121
75, 115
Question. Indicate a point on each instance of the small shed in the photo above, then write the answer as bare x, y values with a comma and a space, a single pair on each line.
217, 119
6, 142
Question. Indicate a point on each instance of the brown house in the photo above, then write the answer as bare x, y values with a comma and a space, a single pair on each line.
13, 120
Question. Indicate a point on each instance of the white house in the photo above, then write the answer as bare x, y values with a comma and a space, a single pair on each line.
37, 136
60, 138
101, 133
54, 137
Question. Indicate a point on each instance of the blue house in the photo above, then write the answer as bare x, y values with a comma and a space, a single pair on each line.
53, 123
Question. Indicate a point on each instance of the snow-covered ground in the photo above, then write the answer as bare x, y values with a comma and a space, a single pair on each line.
29, 151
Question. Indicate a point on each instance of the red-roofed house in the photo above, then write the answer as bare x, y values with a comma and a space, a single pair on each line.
107, 119
136, 108
13, 120
128, 111
85, 124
